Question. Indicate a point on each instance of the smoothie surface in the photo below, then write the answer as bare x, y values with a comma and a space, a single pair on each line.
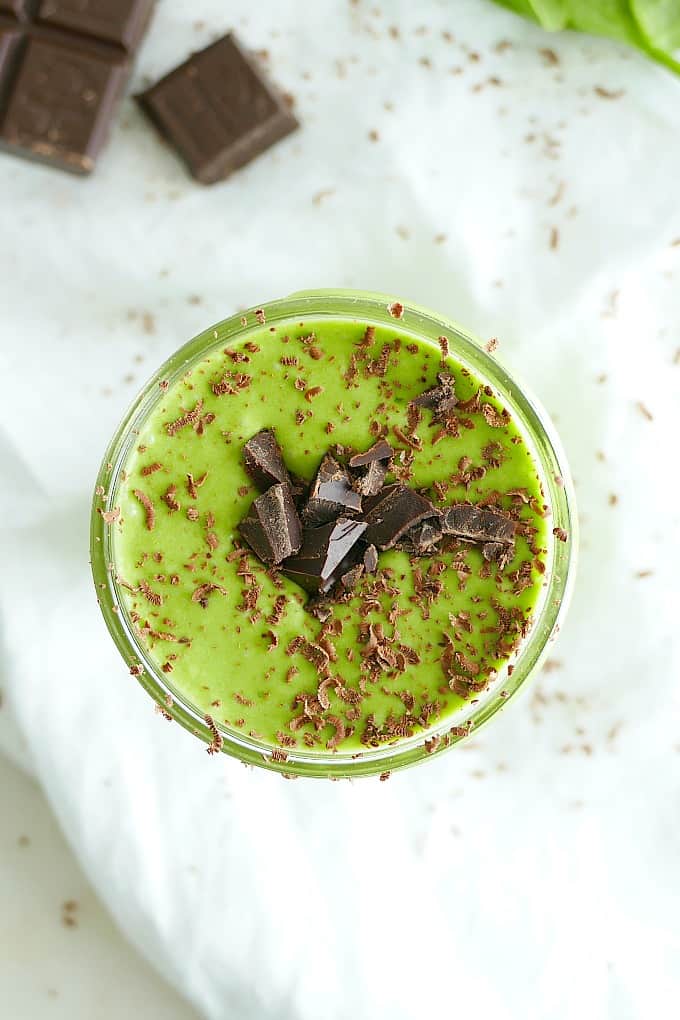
234, 639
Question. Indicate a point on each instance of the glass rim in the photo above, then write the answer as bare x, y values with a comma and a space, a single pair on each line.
538, 432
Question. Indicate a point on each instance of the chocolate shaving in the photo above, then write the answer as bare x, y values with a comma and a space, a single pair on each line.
203, 591
217, 742
371, 559
495, 418
149, 594
148, 507
190, 418
170, 499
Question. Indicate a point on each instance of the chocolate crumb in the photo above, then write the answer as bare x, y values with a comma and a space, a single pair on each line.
561, 534
644, 411
491, 345
396, 309
554, 238
604, 93
444, 346
110, 516
150, 469
260, 316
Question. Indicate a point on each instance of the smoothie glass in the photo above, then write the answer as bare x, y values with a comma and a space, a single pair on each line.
541, 440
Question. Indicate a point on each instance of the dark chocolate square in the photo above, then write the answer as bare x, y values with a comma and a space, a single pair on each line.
16, 8
218, 111
61, 104
121, 22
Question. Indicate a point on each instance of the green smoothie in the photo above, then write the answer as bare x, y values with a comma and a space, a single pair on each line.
235, 639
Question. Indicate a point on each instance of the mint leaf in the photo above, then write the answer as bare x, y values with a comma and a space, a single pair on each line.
659, 21
552, 14
519, 7
652, 26
611, 18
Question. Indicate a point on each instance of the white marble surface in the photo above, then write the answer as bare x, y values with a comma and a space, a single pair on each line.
53, 968
536, 871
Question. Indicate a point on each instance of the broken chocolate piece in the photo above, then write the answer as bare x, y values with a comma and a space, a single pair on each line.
350, 580
422, 539
376, 461
325, 555
441, 399
373, 479
264, 461
272, 527
501, 552
379, 451
331, 494
393, 512
371, 560
474, 524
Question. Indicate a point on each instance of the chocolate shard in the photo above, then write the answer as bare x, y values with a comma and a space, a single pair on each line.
379, 451
264, 460
441, 399
376, 463
326, 554
393, 512
331, 494
351, 579
218, 110
423, 539
372, 480
320, 608
501, 552
272, 527
475, 524
371, 559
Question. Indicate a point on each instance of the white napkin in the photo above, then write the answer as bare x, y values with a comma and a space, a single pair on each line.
532, 873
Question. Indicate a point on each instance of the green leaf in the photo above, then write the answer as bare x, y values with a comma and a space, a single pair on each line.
611, 18
519, 7
552, 14
659, 21
652, 26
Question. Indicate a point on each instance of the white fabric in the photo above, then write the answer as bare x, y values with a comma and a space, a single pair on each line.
515, 877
